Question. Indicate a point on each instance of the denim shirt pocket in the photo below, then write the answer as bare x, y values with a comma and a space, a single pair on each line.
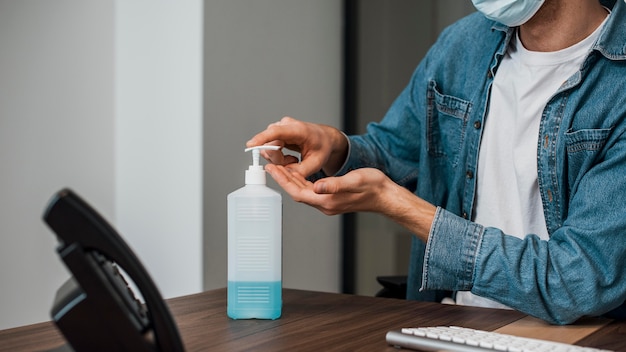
446, 124
582, 148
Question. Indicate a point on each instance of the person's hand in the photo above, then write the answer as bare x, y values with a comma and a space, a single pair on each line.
320, 146
358, 190
366, 189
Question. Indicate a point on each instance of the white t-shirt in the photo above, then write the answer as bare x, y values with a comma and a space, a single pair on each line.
508, 195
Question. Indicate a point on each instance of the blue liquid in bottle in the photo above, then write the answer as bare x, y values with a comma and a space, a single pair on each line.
254, 300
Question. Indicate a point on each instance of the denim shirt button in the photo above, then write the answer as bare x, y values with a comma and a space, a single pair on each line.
489, 74
550, 198
477, 125
465, 215
469, 174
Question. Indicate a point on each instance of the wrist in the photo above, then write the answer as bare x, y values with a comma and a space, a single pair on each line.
409, 210
340, 147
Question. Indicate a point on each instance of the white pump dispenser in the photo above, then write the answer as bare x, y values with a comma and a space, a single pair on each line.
255, 175
255, 246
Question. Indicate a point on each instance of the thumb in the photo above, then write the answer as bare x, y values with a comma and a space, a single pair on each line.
328, 185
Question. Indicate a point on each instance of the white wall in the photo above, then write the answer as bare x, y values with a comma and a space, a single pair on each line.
266, 59
158, 138
56, 130
104, 97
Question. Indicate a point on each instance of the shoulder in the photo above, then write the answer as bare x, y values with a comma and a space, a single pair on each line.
474, 30
465, 47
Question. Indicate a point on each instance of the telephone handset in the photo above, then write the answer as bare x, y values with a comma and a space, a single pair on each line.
96, 309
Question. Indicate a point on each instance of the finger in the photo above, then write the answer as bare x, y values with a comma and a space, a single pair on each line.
294, 184
290, 159
278, 158
323, 186
273, 156
285, 177
299, 180
276, 142
284, 130
349, 183
307, 166
328, 185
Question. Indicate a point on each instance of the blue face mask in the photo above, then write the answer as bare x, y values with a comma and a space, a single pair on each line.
512, 13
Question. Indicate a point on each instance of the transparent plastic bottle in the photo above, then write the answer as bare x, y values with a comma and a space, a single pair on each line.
255, 247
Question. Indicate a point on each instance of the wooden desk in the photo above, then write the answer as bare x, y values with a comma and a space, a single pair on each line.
311, 321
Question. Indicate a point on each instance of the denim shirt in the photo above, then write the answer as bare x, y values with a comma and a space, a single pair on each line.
429, 140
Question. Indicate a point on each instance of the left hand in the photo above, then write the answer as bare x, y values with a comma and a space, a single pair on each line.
367, 190
358, 190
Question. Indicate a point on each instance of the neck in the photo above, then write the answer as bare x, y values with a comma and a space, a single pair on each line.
561, 23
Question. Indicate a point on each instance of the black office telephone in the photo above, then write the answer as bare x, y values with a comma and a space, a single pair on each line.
96, 309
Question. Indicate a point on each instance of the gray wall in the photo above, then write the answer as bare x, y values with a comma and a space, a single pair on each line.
393, 38
102, 96
56, 130
265, 60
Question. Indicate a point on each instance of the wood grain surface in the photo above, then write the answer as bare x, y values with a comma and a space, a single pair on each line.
316, 321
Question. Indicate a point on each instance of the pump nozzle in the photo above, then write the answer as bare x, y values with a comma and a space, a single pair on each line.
255, 175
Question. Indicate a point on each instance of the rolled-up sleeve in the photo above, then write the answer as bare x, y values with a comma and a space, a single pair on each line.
451, 252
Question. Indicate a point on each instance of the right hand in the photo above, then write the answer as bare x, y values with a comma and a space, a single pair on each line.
321, 147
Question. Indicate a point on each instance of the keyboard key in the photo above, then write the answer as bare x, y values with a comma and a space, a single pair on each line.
455, 338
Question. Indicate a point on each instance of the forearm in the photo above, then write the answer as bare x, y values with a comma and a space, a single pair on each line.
408, 210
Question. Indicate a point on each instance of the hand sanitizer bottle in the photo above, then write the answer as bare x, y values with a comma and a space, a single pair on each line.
255, 246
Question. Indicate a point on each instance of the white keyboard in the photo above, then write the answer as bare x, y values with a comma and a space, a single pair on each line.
453, 338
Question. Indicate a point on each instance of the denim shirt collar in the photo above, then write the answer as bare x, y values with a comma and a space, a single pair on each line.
611, 43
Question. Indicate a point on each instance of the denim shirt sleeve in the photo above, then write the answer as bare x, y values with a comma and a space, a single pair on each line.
451, 251
579, 271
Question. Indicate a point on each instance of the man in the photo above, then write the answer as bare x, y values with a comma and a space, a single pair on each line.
505, 156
